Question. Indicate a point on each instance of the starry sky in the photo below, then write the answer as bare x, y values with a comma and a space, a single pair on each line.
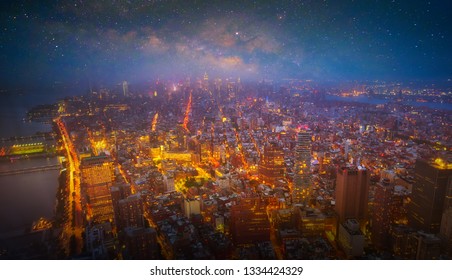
107, 41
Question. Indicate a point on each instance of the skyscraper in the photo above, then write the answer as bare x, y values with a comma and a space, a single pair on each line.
125, 88
429, 194
271, 166
97, 177
97, 170
131, 212
302, 178
119, 192
381, 218
352, 191
205, 82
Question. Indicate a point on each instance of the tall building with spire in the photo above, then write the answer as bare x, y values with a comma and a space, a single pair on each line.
125, 88
205, 82
302, 178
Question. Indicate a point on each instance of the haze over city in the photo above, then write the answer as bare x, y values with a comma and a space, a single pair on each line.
262, 130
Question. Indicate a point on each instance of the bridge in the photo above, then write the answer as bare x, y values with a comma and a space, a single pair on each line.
31, 169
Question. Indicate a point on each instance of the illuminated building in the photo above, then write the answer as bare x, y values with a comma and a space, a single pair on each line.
97, 171
271, 166
315, 223
399, 205
249, 222
302, 177
351, 239
97, 176
168, 180
131, 212
352, 191
347, 149
30, 148
206, 81
209, 207
27, 145
178, 156
429, 195
192, 207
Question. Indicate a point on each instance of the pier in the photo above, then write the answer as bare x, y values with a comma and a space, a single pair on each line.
31, 169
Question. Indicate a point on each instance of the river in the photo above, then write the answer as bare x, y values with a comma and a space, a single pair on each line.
375, 101
24, 198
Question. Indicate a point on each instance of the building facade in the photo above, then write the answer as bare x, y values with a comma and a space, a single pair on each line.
432, 180
352, 192
302, 178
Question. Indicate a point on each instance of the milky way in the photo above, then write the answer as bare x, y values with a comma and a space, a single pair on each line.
109, 41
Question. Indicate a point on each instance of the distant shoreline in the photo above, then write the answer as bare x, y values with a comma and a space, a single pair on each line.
376, 101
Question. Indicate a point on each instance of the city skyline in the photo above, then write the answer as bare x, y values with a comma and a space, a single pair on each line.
206, 130
217, 169
102, 42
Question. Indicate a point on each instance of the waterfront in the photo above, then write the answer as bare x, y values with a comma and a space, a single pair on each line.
13, 110
375, 101
26, 197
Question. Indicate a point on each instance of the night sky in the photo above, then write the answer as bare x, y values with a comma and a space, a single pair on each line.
107, 41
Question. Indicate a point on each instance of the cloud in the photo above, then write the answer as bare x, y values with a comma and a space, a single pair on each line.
221, 45
210, 57
218, 32
154, 44
241, 33
229, 63
262, 43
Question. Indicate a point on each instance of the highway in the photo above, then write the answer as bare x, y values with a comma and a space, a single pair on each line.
74, 225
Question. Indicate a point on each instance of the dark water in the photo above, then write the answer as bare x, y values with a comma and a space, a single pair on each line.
24, 198
13, 109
